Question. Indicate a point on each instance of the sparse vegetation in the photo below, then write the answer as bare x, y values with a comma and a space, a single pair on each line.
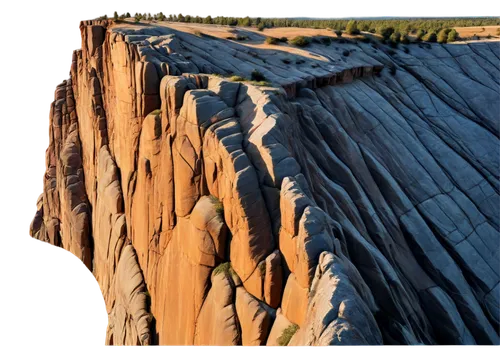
257, 76
408, 25
272, 40
300, 41
287, 334
156, 112
262, 267
237, 79
224, 267
219, 208
352, 28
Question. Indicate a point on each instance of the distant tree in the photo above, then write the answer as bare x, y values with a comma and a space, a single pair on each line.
261, 26
453, 35
245, 22
188, 18
352, 28
442, 36
257, 21
430, 37
170, 17
128, 15
420, 34
405, 39
115, 16
208, 20
181, 18
386, 32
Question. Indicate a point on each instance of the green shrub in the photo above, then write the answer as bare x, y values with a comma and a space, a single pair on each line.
420, 34
219, 208
405, 39
246, 22
257, 76
261, 26
287, 334
283, 39
453, 36
241, 38
271, 40
352, 28
386, 32
430, 37
224, 267
442, 36
338, 33
237, 79
300, 41
156, 112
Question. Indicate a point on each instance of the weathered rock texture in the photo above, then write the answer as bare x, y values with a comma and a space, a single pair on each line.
357, 197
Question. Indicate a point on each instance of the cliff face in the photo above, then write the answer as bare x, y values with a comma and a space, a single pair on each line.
355, 201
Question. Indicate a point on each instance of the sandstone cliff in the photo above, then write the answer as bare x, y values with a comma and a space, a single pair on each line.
354, 200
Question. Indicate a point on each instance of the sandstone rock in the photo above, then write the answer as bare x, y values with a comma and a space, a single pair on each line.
359, 203
255, 319
217, 323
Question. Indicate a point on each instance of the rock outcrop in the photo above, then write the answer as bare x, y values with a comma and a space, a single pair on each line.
349, 200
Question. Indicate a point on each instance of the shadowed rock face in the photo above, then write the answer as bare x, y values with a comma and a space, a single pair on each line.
354, 201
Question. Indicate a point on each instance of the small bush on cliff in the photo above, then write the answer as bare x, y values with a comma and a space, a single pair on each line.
300, 41
442, 36
219, 208
420, 35
271, 40
262, 268
287, 334
224, 267
352, 28
257, 76
338, 33
453, 35
386, 32
261, 26
283, 39
237, 79
430, 37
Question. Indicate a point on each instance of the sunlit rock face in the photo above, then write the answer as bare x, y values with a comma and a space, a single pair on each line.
349, 200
